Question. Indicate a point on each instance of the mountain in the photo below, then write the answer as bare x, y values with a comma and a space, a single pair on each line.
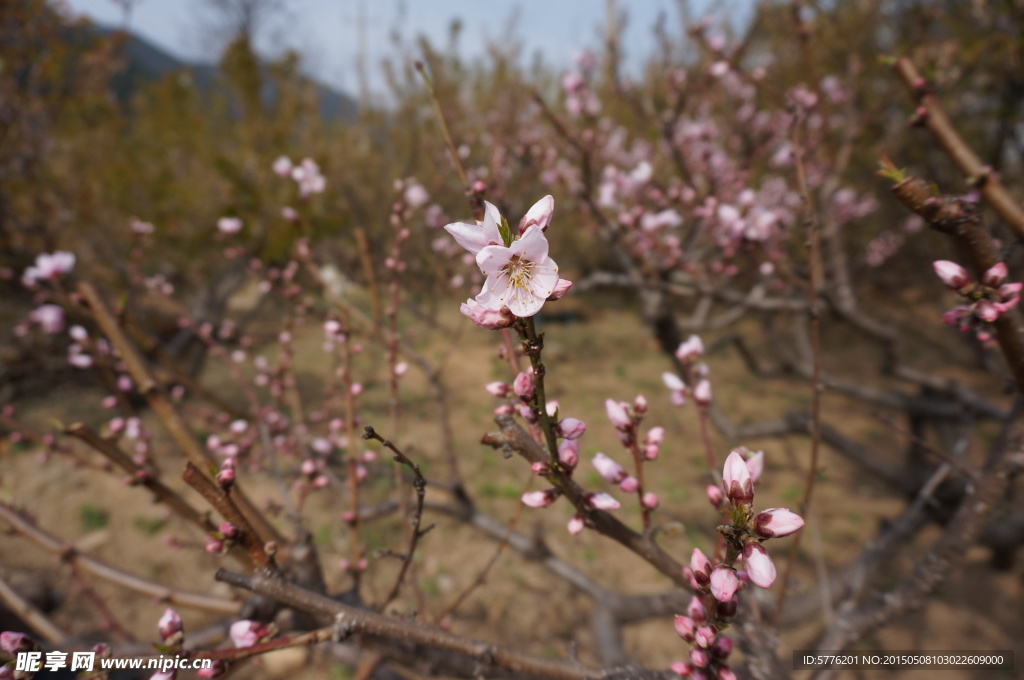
145, 63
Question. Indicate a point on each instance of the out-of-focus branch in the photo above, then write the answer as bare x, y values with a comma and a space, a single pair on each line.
161, 593
978, 175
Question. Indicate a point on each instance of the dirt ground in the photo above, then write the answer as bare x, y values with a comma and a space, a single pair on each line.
606, 354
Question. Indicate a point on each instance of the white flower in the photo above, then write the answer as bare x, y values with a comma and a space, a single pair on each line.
520, 276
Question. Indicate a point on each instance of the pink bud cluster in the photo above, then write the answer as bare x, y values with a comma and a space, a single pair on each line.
305, 174
986, 300
696, 384
717, 582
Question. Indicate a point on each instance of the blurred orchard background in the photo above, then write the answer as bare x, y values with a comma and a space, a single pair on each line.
714, 169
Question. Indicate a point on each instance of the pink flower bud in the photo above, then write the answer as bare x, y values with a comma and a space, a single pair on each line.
722, 648
576, 524
952, 274
715, 495
651, 452
617, 414
602, 501
612, 472
655, 436
696, 611
540, 468
688, 575
699, 658
736, 477
755, 463
523, 386
640, 404
700, 566
760, 568
571, 428
569, 453
527, 414
986, 311
213, 545
995, 276
562, 287
13, 642
704, 636
540, 214
169, 625
487, 318
539, 499
777, 522
685, 627
248, 633
650, 500
629, 485
498, 388
681, 668
690, 350
725, 673
723, 583
229, 531
702, 393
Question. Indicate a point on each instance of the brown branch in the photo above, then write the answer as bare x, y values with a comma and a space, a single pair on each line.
420, 484
224, 503
351, 620
30, 614
160, 593
978, 175
165, 409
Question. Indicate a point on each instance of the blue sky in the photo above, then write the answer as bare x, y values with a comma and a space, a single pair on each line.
326, 32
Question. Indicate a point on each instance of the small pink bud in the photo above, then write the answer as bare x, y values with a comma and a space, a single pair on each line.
217, 669
576, 524
569, 453
629, 485
561, 288
699, 658
704, 636
539, 499
602, 501
248, 633
681, 668
617, 414
723, 583
498, 388
540, 468
539, 214
655, 436
736, 477
986, 311
213, 545
527, 414
702, 393
777, 522
612, 472
715, 495
229, 531
696, 611
688, 575
760, 568
952, 274
700, 566
994, 276
523, 386
13, 642
650, 500
690, 350
755, 463
725, 673
722, 647
487, 318
640, 404
651, 452
571, 428
685, 627
169, 625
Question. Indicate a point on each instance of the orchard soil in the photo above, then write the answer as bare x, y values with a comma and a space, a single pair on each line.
605, 354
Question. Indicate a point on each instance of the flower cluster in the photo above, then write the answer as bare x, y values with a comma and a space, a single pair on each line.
688, 354
306, 175
717, 585
986, 300
521, 276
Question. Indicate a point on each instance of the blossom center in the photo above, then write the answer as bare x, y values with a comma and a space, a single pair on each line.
519, 272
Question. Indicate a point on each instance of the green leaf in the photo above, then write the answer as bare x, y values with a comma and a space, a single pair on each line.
505, 231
